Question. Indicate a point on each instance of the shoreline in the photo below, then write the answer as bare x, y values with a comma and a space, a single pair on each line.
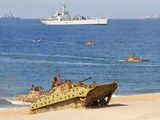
133, 107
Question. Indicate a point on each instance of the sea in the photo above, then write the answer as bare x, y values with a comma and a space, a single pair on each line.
34, 53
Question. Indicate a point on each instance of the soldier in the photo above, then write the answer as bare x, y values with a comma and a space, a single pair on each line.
56, 82
32, 87
68, 83
36, 88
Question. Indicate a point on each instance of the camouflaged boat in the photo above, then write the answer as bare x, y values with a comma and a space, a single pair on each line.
33, 95
132, 58
75, 95
68, 94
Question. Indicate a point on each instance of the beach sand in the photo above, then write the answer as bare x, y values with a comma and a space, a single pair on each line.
135, 107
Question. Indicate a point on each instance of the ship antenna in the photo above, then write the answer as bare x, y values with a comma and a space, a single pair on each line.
63, 7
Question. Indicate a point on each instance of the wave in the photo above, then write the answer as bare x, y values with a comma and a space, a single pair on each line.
8, 102
140, 64
56, 55
144, 65
60, 62
80, 63
148, 65
115, 95
23, 60
81, 57
17, 102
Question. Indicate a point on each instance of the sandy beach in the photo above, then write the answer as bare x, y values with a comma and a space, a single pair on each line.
135, 107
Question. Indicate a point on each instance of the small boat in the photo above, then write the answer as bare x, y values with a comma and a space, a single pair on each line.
133, 58
91, 42
9, 16
36, 41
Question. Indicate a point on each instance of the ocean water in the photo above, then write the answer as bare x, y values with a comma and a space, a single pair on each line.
62, 49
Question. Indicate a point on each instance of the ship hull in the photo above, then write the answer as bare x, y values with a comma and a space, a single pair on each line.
76, 22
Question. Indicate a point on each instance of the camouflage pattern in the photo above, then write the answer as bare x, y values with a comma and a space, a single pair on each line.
68, 93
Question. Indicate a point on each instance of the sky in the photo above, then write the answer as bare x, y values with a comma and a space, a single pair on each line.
99, 8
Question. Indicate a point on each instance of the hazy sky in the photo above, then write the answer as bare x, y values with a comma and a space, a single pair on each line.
100, 8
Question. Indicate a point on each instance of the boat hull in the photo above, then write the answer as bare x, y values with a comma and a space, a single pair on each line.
76, 22
137, 60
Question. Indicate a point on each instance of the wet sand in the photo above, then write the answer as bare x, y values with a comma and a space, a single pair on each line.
135, 107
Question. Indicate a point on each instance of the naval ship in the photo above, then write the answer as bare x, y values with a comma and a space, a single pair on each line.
62, 17
10, 15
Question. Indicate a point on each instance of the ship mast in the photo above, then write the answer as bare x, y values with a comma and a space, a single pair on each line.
63, 8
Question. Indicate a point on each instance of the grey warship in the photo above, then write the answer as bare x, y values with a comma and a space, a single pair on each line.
62, 17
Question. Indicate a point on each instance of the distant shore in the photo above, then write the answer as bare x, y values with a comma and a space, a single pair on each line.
135, 107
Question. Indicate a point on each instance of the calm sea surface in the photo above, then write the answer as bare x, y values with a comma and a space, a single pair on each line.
62, 49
